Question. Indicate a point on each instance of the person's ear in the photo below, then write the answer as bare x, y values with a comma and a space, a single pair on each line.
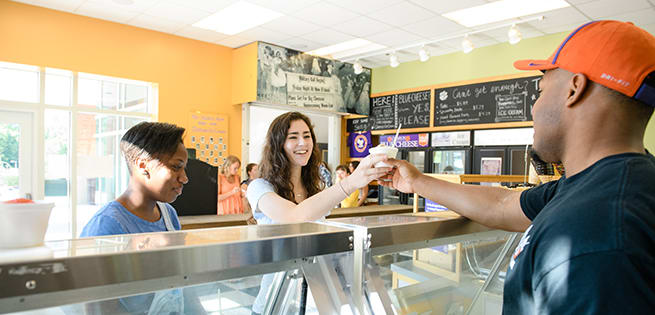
142, 168
577, 86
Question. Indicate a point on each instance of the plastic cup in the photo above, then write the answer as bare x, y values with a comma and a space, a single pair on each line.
389, 151
24, 224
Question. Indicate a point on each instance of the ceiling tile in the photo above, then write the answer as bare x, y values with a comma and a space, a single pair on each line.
211, 6
362, 26
100, 11
176, 12
364, 6
527, 31
447, 6
234, 41
325, 14
60, 5
650, 28
395, 37
434, 27
137, 6
327, 37
639, 18
291, 25
200, 34
575, 2
402, 13
604, 8
265, 35
300, 44
557, 18
285, 6
560, 28
156, 23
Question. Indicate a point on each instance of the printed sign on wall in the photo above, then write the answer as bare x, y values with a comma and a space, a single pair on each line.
290, 77
207, 133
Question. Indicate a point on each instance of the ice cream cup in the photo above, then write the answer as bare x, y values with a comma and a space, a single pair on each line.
383, 149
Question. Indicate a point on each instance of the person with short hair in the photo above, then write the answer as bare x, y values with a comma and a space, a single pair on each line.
589, 238
252, 171
156, 158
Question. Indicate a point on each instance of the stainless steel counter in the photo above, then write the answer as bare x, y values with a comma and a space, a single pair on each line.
100, 268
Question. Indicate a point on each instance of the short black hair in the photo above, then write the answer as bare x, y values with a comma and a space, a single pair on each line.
250, 166
150, 140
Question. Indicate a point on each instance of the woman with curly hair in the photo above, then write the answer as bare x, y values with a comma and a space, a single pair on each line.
289, 189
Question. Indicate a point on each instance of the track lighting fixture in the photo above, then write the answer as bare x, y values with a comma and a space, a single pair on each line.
467, 45
393, 60
514, 35
423, 54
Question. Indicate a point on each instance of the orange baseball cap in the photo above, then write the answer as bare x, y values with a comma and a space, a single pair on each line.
617, 55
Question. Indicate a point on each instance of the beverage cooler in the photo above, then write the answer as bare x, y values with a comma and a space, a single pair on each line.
502, 151
450, 152
413, 148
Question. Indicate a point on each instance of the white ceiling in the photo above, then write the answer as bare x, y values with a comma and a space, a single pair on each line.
311, 24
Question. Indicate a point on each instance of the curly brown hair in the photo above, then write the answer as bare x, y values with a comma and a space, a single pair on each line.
276, 167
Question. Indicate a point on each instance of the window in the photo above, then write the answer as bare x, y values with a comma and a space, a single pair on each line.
80, 136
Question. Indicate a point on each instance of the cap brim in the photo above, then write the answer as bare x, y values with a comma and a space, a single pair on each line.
532, 64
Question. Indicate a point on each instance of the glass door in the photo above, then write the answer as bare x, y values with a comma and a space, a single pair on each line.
450, 161
16, 171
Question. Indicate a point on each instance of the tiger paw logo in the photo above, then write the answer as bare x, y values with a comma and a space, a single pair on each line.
361, 143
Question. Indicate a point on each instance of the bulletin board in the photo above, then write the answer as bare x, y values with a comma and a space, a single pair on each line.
207, 134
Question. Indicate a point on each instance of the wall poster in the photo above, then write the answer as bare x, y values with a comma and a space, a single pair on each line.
207, 133
291, 77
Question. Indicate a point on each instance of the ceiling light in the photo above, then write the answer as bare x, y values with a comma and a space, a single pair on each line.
423, 54
467, 45
393, 60
358, 67
514, 35
237, 18
349, 48
502, 10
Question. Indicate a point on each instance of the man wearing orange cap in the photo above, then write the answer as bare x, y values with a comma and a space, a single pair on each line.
589, 238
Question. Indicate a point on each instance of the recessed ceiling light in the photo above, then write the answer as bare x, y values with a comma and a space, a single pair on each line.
349, 48
502, 10
237, 18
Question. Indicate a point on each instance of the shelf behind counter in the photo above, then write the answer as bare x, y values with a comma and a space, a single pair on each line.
211, 221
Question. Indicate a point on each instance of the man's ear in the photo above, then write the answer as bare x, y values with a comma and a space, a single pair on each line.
577, 86
142, 167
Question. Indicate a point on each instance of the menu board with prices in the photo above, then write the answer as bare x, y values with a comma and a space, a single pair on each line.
488, 102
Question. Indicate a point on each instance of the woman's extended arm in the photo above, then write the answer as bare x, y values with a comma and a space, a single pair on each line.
281, 210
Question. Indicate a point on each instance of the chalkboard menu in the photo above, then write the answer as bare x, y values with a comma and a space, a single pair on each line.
412, 110
357, 124
487, 102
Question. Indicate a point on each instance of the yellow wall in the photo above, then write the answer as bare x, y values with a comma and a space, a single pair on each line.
192, 75
482, 62
244, 71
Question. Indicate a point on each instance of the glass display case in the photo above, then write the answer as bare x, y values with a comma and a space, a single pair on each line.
394, 264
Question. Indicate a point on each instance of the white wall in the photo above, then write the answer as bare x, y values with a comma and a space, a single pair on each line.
262, 117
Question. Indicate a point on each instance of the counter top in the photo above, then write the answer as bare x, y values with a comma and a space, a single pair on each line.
210, 220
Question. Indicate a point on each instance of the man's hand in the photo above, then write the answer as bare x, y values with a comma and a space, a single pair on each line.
402, 177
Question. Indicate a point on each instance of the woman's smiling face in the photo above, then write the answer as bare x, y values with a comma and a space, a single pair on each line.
298, 144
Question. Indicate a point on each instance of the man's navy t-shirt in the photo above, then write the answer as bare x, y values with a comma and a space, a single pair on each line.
591, 246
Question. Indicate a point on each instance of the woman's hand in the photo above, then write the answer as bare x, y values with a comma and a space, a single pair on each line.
366, 172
